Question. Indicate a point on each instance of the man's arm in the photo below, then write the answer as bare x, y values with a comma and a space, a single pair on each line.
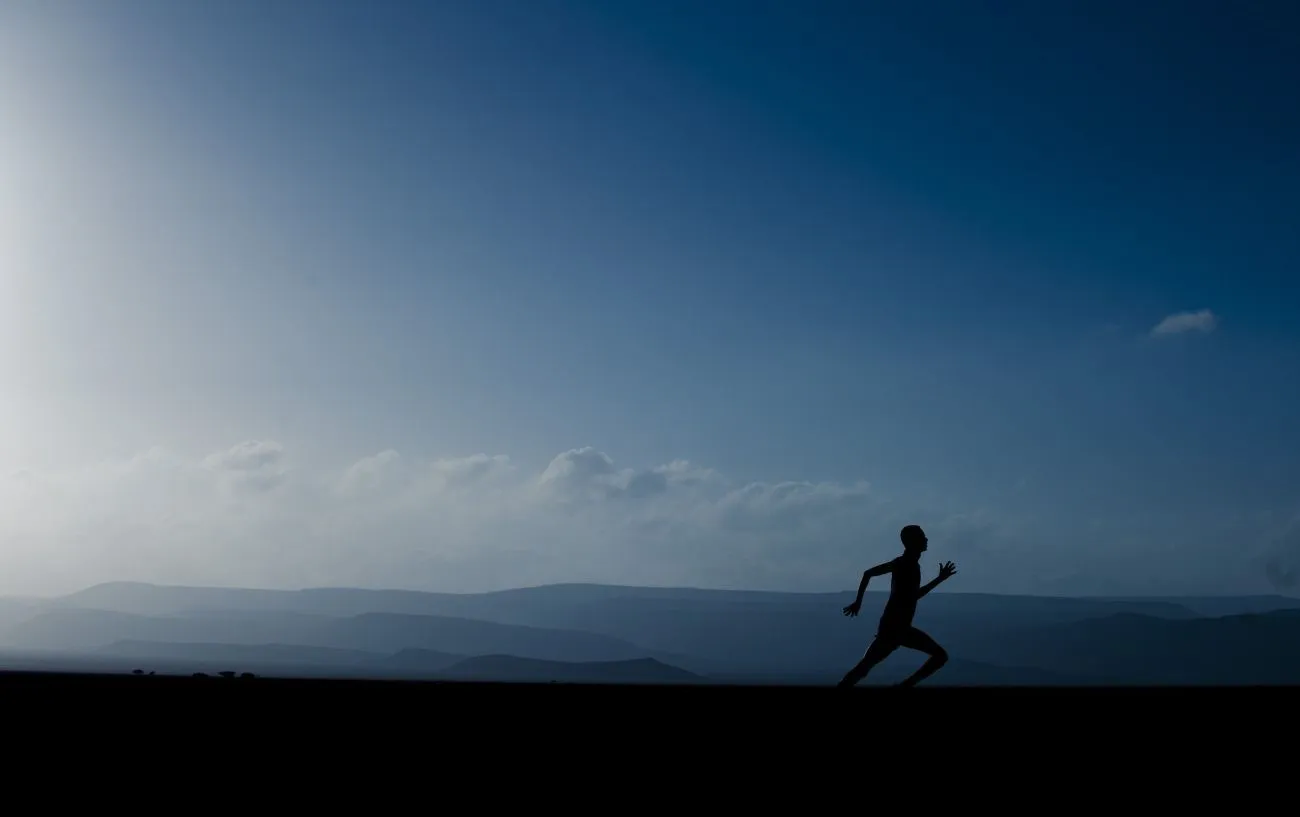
878, 570
927, 587
945, 572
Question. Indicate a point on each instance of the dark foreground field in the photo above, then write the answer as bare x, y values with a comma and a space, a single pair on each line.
717, 714
738, 749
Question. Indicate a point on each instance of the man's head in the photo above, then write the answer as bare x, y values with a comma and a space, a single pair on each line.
914, 539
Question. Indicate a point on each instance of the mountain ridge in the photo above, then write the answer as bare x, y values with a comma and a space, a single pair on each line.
700, 631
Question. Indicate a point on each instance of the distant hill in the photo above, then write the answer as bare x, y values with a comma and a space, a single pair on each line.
515, 669
528, 602
706, 632
591, 606
1242, 649
167, 600
1218, 606
14, 611
78, 629
423, 663
239, 655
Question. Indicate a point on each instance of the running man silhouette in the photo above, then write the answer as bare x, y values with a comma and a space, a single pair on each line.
895, 629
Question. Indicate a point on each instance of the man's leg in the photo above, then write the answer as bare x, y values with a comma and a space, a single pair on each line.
878, 651
915, 639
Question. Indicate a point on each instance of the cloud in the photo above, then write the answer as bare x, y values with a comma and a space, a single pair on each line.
254, 465
1183, 322
250, 515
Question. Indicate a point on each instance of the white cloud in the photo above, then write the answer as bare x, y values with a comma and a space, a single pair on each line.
248, 516
1202, 320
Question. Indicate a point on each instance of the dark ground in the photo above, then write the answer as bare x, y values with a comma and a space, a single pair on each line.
683, 710
291, 743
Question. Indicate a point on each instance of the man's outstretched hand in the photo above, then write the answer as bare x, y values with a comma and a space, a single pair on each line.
852, 609
946, 571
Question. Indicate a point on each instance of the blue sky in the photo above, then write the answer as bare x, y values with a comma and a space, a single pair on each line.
922, 246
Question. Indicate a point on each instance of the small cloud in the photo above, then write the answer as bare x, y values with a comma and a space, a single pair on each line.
251, 455
374, 473
1179, 323
256, 465
578, 465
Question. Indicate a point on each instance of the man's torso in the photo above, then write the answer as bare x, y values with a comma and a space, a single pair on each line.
905, 582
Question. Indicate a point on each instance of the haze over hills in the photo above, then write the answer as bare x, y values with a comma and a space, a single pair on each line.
512, 668
415, 663
589, 633
73, 629
263, 655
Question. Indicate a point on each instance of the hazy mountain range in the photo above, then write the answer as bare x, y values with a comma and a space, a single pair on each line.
598, 633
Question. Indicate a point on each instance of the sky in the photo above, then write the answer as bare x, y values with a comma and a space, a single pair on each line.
471, 295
